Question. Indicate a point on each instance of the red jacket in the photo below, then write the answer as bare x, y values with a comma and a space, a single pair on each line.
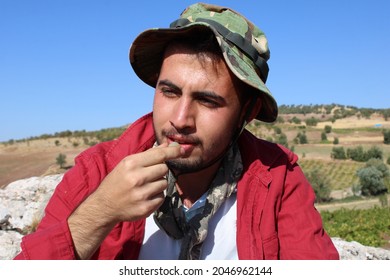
276, 218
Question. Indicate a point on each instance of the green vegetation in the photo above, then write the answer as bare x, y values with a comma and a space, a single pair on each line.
340, 174
328, 129
386, 136
301, 138
369, 227
102, 135
373, 178
61, 160
338, 111
338, 153
312, 121
357, 153
320, 184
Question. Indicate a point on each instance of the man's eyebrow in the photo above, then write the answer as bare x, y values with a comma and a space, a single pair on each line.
212, 95
169, 84
203, 94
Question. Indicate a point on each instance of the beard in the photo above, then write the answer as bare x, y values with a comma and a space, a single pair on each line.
186, 165
194, 163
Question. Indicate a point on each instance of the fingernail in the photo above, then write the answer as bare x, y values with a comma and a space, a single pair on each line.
173, 144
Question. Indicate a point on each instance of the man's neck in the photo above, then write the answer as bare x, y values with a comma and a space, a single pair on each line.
192, 186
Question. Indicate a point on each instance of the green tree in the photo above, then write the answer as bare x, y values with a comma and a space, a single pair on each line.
372, 177
320, 184
386, 136
356, 154
301, 138
371, 181
328, 129
338, 153
312, 121
323, 136
295, 120
277, 130
380, 165
374, 152
61, 160
282, 139
336, 141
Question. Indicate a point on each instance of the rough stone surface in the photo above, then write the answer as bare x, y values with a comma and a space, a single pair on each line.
21, 206
22, 203
355, 251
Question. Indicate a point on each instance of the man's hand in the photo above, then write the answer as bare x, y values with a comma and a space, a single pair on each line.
133, 190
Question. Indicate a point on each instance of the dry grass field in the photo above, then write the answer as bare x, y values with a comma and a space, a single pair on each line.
35, 158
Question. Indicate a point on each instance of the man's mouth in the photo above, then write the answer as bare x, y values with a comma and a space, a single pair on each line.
186, 143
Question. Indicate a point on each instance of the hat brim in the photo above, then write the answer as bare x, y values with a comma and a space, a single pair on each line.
147, 51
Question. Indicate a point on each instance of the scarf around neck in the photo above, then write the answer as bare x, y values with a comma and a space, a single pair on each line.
170, 217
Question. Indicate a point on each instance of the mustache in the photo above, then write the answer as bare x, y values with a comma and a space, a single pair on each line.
180, 137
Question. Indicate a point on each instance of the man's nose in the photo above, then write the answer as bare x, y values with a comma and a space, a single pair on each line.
183, 115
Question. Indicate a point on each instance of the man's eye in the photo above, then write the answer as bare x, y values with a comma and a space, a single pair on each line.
209, 102
168, 92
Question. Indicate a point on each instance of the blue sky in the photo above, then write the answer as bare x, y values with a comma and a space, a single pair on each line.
64, 64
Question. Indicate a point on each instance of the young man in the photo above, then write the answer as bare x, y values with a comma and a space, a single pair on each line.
186, 182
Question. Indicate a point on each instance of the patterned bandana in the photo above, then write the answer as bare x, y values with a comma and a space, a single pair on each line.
170, 216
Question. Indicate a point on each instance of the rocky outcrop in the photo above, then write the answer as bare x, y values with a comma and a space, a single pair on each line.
21, 208
22, 204
355, 251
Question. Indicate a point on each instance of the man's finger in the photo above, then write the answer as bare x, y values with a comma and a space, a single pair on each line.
161, 154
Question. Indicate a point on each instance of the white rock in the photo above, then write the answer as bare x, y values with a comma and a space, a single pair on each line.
9, 244
355, 251
25, 199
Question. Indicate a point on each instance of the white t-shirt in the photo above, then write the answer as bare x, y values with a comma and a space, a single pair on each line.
220, 243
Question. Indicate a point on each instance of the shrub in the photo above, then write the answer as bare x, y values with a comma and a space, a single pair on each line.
338, 153
378, 164
328, 129
366, 226
356, 154
280, 119
277, 130
336, 141
61, 160
372, 177
301, 138
386, 136
295, 120
312, 121
323, 136
282, 139
374, 152
320, 185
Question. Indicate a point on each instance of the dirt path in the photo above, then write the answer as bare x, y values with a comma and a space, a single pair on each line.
361, 204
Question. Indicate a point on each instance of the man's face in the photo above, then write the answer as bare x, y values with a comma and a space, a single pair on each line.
197, 105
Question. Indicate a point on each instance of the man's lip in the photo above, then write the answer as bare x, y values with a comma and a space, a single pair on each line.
180, 140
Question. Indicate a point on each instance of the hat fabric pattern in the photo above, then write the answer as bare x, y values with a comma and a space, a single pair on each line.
244, 47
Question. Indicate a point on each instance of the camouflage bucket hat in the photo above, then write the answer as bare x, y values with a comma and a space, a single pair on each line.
244, 48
